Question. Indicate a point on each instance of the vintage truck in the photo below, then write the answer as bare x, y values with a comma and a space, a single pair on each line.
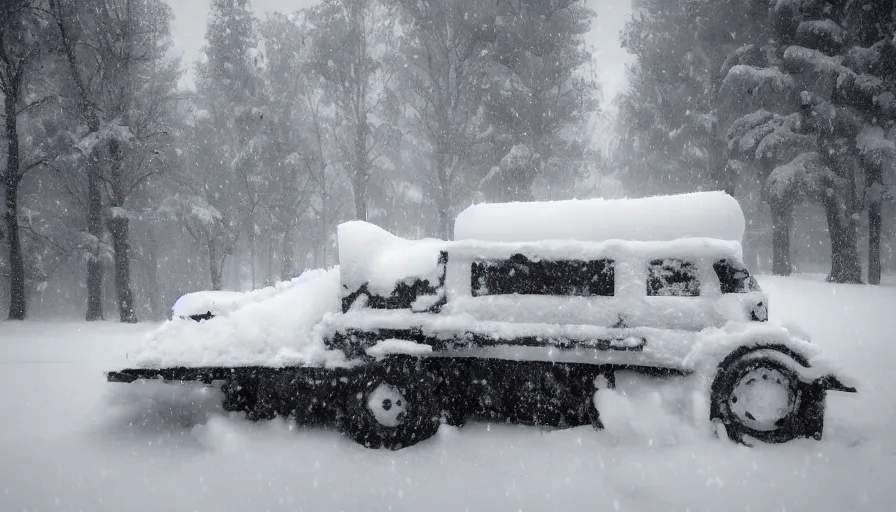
524, 317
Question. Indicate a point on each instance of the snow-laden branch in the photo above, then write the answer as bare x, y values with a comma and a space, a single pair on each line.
112, 130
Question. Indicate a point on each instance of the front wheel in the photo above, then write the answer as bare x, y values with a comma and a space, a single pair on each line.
761, 398
394, 406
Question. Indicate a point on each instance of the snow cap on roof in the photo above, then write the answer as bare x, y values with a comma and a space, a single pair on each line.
659, 218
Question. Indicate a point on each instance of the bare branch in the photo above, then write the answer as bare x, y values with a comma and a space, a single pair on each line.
87, 107
30, 166
153, 134
30, 229
36, 104
140, 180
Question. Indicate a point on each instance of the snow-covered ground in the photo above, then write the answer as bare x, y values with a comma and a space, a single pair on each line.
67, 442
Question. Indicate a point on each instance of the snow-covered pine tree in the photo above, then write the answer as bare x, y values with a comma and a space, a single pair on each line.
228, 118
541, 95
668, 129
810, 107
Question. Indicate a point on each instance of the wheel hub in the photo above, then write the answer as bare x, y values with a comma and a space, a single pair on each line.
762, 398
387, 405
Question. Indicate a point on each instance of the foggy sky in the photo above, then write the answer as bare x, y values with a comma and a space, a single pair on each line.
188, 31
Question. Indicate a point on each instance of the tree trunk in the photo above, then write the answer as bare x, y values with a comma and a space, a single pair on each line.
94, 199
152, 274
443, 198
118, 227
360, 177
845, 265
214, 269
874, 227
94, 289
288, 255
782, 223
95, 229
269, 270
250, 239
874, 176
718, 166
323, 227
444, 219
17, 300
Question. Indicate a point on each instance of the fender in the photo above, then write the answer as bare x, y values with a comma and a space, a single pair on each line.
819, 376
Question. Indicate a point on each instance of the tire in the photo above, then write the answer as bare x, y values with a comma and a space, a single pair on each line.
393, 406
452, 379
250, 395
761, 398
607, 382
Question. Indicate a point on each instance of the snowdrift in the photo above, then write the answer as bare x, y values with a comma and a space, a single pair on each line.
223, 302
272, 327
661, 218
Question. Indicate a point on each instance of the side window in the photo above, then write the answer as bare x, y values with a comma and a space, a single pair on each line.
674, 278
734, 278
542, 277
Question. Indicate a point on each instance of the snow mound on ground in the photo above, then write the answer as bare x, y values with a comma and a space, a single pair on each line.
660, 218
156, 406
278, 330
653, 411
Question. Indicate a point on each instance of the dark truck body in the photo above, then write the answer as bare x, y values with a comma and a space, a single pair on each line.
475, 335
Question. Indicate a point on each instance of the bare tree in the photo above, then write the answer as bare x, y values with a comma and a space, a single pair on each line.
445, 45
62, 11
352, 43
20, 48
122, 81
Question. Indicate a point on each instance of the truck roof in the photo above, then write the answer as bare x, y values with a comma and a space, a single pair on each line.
660, 218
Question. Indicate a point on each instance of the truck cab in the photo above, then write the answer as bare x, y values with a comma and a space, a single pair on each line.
592, 290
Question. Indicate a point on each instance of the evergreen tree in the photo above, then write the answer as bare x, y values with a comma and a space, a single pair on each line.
228, 151
541, 96
817, 108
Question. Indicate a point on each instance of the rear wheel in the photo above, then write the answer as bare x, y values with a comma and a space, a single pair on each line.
393, 407
250, 395
761, 398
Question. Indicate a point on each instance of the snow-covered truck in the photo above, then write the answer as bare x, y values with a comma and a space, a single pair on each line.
527, 316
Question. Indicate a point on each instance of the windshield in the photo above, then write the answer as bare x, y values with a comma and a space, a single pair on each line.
734, 277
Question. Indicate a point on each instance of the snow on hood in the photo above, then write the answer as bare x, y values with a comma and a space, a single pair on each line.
371, 255
275, 328
222, 302
660, 218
